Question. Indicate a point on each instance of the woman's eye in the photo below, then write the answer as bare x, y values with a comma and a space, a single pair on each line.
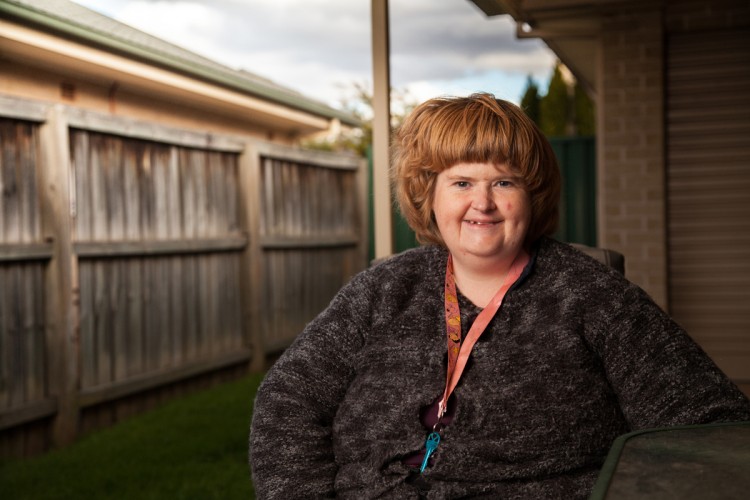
462, 184
504, 183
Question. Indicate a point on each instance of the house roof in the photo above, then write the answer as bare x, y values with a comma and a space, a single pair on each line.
569, 27
71, 20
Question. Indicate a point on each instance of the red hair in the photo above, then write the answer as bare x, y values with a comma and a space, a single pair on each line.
446, 131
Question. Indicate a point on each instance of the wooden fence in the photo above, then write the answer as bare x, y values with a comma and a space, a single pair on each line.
136, 260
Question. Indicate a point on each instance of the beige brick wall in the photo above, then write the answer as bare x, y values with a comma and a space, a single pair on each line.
631, 189
44, 85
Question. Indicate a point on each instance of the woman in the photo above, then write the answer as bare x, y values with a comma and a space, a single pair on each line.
389, 392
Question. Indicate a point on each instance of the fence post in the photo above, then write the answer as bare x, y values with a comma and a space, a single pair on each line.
57, 203
249, 175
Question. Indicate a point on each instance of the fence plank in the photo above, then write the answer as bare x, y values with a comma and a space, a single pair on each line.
10, 319
202, 221
135, 318
161, 216
165, 329
211, 171
131, 158
11, 214
187, 187
267, 222
29, 198
4, 340
235, 304
102, 322
177, 310
174, 226
151, 315
40, 343
146, 187
81, 193
100, 147
190, 293
232, 183
6, 155
115, 196
118, 308
205, 296
86, 326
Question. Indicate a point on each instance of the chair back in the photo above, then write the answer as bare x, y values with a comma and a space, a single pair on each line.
612, 258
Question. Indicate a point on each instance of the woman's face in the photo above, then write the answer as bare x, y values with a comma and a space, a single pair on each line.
483, 212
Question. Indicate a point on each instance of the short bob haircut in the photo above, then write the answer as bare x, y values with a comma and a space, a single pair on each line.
446, 131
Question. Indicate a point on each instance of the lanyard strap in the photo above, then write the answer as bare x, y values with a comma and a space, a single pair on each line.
458, 353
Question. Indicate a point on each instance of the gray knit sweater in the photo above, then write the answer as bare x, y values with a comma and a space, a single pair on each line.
576, 356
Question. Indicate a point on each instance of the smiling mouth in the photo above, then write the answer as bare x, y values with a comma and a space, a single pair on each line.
482, 223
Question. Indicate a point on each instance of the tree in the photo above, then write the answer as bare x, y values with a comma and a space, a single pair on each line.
555, 106
583, 106
531, 100
358, 102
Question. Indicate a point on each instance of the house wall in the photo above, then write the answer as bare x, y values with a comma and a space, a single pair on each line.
673, 163
106, 96
631, 176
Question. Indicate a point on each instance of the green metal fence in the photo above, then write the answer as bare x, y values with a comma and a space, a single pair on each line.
577, 159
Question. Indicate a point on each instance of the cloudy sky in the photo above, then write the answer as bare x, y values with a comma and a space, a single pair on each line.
322, 47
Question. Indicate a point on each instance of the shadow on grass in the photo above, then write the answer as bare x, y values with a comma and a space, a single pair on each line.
191, 448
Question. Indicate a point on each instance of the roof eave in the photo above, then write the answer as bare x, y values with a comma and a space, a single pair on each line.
573, 44
196, 71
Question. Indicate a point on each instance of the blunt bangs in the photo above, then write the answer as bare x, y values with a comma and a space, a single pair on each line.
460, 134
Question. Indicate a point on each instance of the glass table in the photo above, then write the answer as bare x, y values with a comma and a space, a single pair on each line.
691, 462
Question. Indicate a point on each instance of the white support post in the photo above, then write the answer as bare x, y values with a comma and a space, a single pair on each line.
381, 129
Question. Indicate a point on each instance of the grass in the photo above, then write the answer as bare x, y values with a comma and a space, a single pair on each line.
191, 448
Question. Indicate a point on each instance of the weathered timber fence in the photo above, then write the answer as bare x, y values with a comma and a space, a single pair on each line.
312, 230
137, 261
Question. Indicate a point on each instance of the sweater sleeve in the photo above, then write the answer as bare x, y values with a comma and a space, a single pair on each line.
291, 451
660, 376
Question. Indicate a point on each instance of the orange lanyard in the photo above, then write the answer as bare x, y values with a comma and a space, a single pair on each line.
458, 353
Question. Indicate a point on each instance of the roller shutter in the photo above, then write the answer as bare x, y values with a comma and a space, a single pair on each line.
708, 158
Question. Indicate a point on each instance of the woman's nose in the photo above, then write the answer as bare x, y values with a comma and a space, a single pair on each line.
483, 200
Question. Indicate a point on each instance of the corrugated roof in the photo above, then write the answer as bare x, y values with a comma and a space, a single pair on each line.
71, 19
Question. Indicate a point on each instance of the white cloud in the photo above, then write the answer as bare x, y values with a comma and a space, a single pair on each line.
319, 46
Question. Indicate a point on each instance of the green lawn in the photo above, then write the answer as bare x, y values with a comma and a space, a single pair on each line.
191, 448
